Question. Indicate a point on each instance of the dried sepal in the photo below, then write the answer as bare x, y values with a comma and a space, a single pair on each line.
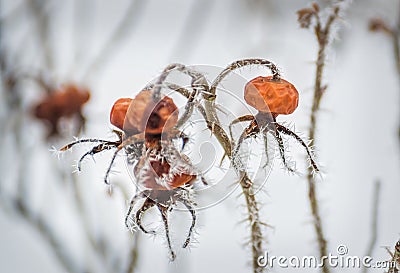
305, 16
156, 174
315, 6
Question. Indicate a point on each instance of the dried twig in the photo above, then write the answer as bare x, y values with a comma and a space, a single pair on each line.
256, 237
209, 113
310, 17
133, 254
19, 205
393, 32
394, 266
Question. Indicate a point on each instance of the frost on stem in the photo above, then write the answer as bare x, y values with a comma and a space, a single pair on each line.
394, 265
147, 133
262, 89
148, 129
310, 18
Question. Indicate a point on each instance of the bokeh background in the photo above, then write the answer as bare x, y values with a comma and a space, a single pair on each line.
114, 48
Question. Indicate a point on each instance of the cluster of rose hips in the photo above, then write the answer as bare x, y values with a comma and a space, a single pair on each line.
146, 129
148, 125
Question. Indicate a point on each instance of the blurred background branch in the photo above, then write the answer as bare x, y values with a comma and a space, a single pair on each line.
15, 127
393, 32
374, 220
131, 41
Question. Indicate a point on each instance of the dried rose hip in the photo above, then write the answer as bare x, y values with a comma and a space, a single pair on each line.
279, 97
149, 116
63, 103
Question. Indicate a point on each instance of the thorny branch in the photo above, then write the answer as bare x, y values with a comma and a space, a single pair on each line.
210, 115
245, 182
306, 18
394, 266
256, 239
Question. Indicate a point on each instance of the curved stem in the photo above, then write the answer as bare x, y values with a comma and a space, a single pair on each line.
238, 64
198, 79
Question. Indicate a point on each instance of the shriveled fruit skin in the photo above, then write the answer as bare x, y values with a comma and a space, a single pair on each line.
265, 94
152, 117
158, 169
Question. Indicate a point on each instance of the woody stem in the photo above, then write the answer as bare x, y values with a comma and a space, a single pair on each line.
256, 237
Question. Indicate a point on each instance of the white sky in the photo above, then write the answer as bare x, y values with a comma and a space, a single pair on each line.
356, 141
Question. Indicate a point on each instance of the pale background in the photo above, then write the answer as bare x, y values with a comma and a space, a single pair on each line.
356, 141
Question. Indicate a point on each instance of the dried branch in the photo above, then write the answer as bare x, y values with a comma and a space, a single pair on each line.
15, 125
310, 17
394, 262
256, 237
393, 32
133, 254
378, 25
18, 204
209, 113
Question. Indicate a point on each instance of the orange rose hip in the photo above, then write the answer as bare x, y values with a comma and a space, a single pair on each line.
279, 97
118, 112
152, 117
